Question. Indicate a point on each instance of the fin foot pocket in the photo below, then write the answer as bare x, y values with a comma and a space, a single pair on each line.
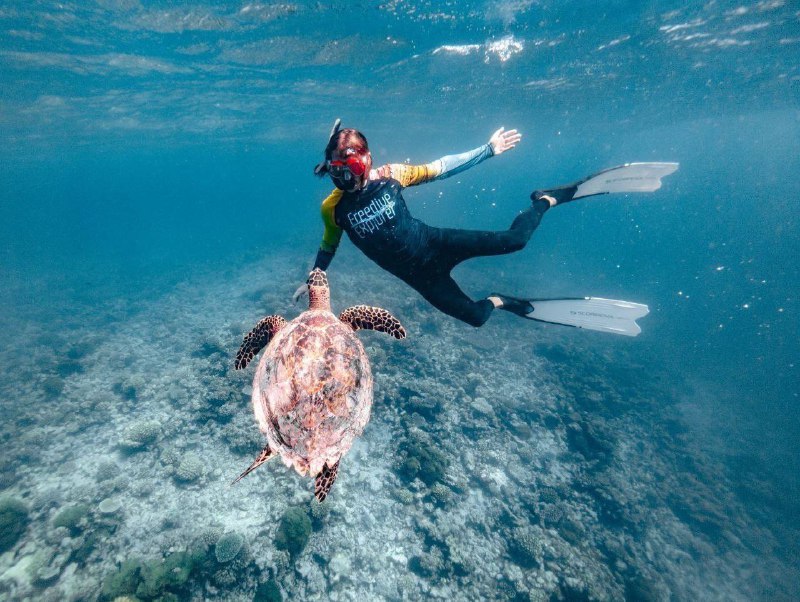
563, 194
520, 307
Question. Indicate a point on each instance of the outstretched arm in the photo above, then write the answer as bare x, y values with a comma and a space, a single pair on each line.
330, 239
450, 165
332, 234
500, 142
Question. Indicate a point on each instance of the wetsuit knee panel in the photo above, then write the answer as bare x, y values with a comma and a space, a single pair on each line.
445, 296
517, 240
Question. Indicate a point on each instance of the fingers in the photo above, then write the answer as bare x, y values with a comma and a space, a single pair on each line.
301, 291
511, 137
504, 140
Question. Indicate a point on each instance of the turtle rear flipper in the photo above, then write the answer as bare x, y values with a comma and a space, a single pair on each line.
364, 317
265, 455
257, 339
324, 481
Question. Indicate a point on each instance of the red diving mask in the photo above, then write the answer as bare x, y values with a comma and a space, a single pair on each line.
355, 164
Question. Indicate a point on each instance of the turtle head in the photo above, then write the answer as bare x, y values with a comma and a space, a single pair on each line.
319, 296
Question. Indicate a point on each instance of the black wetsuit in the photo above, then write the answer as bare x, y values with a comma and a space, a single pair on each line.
379, 223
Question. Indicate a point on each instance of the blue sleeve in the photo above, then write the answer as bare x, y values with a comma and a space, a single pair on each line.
455, 164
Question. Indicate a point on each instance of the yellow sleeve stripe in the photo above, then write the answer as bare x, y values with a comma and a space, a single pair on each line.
411, 175
333, 233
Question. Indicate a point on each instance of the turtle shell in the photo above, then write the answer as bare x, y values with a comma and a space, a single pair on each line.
312, 391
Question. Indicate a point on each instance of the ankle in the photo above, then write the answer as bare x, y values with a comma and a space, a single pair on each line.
542, 201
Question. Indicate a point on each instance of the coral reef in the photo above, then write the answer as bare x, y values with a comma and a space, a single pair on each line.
429, 564
268, 591
207, 538
46, 565
150, 580
294, 531
318, 513
480, 476
107, 471
442, 494
228, 546
404, 496
281, 561
422, 458
74, 518
525, 547
109, 506
123, 582
53, 386
140, 435
551, 514
13, 521
190, 469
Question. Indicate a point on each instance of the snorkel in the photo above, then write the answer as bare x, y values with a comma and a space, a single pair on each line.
322, 168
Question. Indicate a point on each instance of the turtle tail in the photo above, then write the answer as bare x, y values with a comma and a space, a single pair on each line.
265, 455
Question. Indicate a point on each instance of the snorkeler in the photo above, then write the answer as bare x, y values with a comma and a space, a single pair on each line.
368, 204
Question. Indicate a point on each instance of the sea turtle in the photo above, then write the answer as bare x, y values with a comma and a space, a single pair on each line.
312, 390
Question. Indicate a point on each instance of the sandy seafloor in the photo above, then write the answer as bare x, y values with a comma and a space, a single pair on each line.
565, 467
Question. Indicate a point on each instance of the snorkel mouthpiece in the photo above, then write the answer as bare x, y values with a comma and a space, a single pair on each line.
346, 181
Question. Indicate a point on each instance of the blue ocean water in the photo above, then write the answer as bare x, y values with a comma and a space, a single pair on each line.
157, 199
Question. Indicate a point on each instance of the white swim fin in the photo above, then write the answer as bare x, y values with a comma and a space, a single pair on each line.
631, 177
591, 313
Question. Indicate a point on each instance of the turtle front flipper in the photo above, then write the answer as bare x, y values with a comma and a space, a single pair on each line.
364, 317
257, 339
265, 455
324, 481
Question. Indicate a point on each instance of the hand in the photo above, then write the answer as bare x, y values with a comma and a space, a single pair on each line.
502, 141
301, 291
